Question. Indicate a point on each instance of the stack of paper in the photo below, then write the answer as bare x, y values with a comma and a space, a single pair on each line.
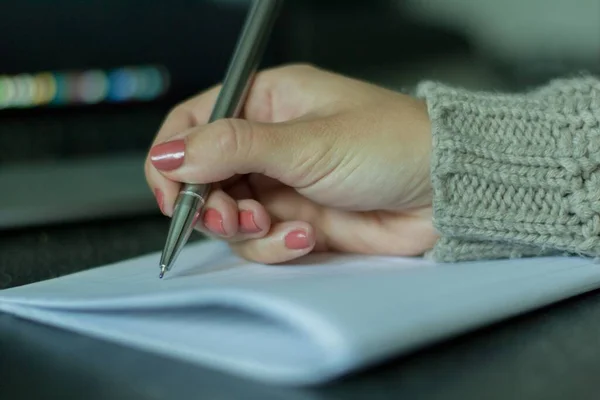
302, 323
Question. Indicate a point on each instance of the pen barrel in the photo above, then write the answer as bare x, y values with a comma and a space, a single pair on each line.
248, 52
247, 55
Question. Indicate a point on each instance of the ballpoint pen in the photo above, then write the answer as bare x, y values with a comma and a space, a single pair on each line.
247, 55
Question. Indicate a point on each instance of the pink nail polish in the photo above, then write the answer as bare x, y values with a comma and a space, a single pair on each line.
160, 199
168, 156
213, 220
297, 240
247, 223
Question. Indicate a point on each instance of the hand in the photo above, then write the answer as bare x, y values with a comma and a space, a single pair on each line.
316, 162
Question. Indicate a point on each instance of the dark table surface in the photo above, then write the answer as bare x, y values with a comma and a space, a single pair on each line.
553, 353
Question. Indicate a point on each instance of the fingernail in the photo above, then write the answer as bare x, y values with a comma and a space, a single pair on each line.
160, 199
297, 240
168, 156
213, 220
247, 223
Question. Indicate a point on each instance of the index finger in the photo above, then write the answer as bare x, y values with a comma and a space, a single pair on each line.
190, 113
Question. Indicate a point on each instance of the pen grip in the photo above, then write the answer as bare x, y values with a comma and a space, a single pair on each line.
196, 189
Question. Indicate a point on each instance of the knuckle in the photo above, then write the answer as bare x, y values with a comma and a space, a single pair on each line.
233, 136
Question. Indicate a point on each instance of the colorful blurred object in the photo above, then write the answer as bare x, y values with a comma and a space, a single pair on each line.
66, 88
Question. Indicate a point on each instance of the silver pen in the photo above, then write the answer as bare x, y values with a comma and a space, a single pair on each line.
246, 58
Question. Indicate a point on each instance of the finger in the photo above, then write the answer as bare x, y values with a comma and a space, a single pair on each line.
259, 105
384, 233
276, 95
220, 216
285, 241
164, 189
179, 120
297, 154
192, 112
253, 221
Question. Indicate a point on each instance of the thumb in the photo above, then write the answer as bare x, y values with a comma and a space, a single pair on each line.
290, 152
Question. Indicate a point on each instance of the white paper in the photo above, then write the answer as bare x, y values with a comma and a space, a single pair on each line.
303, 323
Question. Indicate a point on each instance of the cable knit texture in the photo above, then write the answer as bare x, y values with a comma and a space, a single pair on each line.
515, 175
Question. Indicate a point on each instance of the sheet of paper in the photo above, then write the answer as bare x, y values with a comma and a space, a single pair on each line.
300, 323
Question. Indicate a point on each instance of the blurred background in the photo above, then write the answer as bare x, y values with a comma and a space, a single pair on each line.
84, 85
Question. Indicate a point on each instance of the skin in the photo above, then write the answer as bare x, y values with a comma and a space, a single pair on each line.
340, 163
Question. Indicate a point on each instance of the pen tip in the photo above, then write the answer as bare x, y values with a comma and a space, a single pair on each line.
163, 269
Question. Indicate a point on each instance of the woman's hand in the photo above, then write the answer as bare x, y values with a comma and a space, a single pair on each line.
317, 162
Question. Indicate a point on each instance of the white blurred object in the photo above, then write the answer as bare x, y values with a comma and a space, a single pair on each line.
520, 30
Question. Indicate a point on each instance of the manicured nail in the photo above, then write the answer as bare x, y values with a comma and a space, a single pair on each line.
297, 240
160, 199
168, 156
213, 220
247, 223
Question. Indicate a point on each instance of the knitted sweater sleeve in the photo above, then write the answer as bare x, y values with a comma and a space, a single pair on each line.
515, 175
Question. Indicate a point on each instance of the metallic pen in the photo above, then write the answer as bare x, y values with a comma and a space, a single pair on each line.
246, 58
